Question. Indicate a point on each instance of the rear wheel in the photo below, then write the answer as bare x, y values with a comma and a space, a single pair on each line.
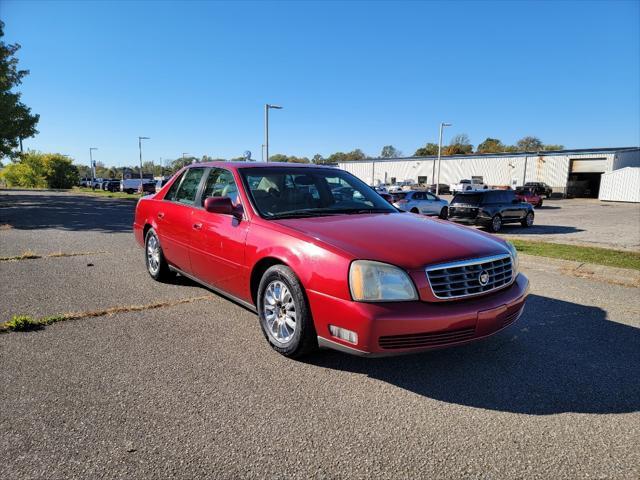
285, 318
415, 210
539, 204
157, 266
527, 221
496, 224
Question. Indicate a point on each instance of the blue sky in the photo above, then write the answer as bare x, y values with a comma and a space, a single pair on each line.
194, 76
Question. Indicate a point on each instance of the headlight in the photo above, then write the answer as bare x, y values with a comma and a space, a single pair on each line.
514, 258
379, 282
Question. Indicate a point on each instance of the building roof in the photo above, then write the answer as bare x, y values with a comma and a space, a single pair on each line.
580, 151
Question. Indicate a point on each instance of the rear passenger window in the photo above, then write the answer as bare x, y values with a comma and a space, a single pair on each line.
418, 196
189, 187
171, 194
508, 196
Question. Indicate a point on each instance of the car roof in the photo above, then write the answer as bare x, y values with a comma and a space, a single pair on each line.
240, 165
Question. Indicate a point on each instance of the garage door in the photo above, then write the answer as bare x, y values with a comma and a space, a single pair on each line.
589, 165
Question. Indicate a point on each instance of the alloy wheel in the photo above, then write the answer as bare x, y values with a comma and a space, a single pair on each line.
279, 311
153, 254
530, 219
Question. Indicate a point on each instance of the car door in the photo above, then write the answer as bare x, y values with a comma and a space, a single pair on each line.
218, 241
431, 204
510, 205
416, 200
174, 218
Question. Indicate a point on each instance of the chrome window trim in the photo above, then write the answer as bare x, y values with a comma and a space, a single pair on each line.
466, 263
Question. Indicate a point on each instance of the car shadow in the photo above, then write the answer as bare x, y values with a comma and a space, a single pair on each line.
29, 211
539, 229
559, 357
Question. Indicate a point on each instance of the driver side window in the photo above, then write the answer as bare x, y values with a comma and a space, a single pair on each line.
220, 183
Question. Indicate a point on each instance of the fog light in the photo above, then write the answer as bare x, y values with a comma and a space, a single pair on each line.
344, 334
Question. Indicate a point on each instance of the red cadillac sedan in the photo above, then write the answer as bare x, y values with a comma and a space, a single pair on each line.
326, 262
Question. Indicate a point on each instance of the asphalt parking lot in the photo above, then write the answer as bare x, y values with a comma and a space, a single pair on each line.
583, 221
180, 383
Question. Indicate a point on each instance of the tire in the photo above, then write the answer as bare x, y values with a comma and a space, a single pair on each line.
539, 204
154, 259
496, 224
527, 221
444, 213
284, 314
415, 210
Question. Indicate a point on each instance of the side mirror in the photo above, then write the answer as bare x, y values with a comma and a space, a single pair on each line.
222, 206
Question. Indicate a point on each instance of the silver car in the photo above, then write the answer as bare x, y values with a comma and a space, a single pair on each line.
422, 202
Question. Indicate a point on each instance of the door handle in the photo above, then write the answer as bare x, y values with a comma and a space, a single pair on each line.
197, 226
160, 215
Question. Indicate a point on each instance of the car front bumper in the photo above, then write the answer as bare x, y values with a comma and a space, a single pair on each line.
407, 327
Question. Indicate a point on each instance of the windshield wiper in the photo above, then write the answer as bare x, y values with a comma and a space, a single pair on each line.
300, 214
327, 211
356, 211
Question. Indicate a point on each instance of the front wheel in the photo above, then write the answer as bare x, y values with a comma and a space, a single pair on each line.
285, 318
444, 214
415, 210
496, 224
527, 221
157, 266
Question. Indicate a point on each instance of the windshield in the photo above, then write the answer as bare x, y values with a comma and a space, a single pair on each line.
288, 192
467, 199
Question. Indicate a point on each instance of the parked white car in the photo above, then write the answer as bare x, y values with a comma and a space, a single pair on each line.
466, 185
425, 203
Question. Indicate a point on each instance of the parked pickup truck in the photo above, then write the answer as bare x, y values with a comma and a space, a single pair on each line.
474, 185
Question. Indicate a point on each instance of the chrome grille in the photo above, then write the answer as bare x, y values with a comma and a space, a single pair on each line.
463, 279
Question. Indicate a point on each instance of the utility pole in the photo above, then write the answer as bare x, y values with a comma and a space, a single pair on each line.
140, 150
442, 125
92, 167
267, 107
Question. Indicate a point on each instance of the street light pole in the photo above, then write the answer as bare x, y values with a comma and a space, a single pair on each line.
92, 167
266, 128
140, 150
442, 125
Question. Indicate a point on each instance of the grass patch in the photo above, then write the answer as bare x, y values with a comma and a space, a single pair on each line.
103, 193
26, 255
29, 255
595, 255
22, 323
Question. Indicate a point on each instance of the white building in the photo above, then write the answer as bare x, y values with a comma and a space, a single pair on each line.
568, 172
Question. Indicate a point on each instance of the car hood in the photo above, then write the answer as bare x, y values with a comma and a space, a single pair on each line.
406, 240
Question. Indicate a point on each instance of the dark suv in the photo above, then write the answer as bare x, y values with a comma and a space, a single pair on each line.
490, 209
540, 188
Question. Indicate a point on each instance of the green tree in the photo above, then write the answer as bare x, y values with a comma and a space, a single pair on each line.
529, 144
279, 157
553, 147
351, 156
491, 145
389, 151
16, 120
459, 145
319, 159
428, 150
35, 169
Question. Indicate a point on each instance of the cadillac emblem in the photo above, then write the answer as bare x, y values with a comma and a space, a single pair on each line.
483, 277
